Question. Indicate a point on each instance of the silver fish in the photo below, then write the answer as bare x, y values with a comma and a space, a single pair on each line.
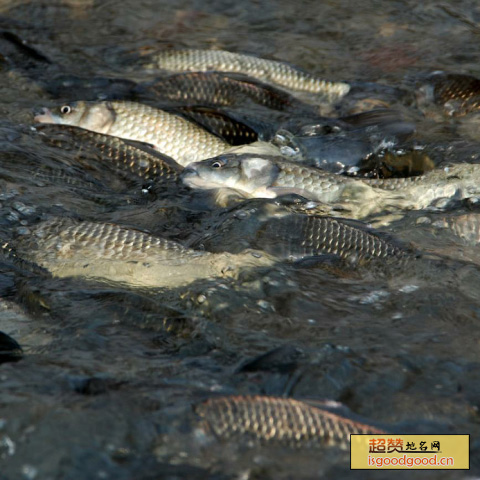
269, 177
278, 73
172, 135
281, 421
117, 254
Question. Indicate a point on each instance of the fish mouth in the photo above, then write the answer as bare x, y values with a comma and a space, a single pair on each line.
44, 115
191, 178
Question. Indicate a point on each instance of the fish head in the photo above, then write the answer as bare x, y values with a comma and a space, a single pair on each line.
221, 171
95, 116
68, 114
242, 172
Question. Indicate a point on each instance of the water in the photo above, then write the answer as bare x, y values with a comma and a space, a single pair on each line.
110, 373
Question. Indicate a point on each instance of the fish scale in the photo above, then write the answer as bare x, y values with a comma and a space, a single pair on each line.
282, 421
278, 73
463, 89
304, 235
218, 89
170, 134
105, 240
135, 161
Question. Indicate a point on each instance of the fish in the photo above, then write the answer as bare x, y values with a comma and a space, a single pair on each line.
458, 94
346, 144
135, 161
278, 421
115, 254
266, 177
170, 134
269, 177
224, 126
215, 89
269, 226
278, 73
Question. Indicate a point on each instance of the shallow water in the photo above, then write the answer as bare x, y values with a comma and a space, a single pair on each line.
110, 373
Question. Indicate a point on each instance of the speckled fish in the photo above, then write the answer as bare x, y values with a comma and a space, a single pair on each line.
299, 236
458, 94
281, 421
170, 134
275, 72
219, 90
133, 161
224, 126
271, 227
118, 254
269, 177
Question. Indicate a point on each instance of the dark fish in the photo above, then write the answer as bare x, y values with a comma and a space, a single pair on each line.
222, 125
216, 89
272, 228
133, 160
344, 144
458, 94
281, 421
67, 177
299, 236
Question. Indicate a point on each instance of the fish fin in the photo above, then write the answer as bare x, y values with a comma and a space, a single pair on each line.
152, 150
386, 121
288, 191
319, 260
337, 408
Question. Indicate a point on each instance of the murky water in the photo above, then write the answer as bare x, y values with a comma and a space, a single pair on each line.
110, 372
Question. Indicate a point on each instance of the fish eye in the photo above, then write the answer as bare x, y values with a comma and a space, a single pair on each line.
217, 164
66, 109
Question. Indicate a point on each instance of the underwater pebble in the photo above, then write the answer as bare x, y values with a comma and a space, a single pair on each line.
264, 305
8, 195
7, 446
24, 209
23, 231
439, 224
423, 221
29, 472
13, 217
408, 288
369, 298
